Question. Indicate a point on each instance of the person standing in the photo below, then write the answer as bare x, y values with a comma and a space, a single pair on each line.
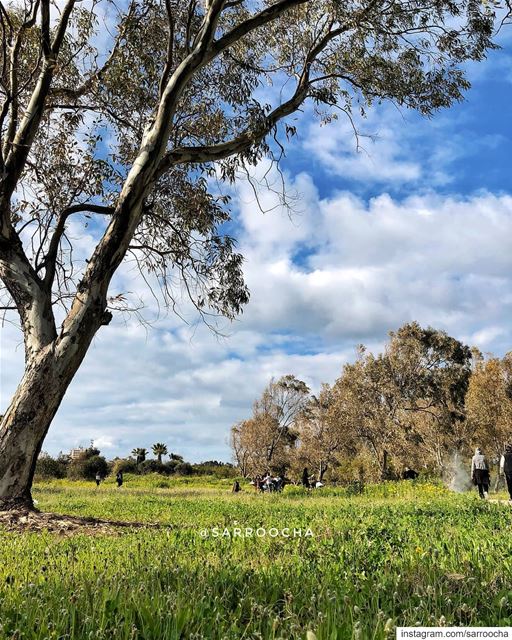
480, 473
119, 478
506, 467
305, 478
98, 479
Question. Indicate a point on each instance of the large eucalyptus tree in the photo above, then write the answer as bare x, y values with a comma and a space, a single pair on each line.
119, 112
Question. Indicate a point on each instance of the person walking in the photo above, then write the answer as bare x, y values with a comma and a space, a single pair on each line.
480, 473
506, 468
98, 479
119, 478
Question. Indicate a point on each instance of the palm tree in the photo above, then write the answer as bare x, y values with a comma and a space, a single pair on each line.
140, 453
159, 450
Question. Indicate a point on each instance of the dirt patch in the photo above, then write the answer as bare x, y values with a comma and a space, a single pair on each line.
26, 520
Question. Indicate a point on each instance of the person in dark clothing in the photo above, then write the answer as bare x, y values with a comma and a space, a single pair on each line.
480, 473
119, 478
506, 467
305, 478
98, 479
236, 487
409, 474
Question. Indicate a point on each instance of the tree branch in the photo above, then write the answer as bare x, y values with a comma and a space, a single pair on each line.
260, 19
250, 137
28, 127
50, 260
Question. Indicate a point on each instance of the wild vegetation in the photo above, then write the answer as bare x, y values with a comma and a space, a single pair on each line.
397, 554
426, 399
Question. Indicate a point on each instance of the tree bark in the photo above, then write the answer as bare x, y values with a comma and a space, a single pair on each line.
25, 424
384, 471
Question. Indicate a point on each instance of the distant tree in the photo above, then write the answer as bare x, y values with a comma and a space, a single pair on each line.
282, 400
372, 399
91, 451
184, 469
242, 448
140, 454
87, 467
215, 468
179, 98
489, 404
324, 430
159, 449
153, 466
126, 465
409, 400
431, 372
263, 442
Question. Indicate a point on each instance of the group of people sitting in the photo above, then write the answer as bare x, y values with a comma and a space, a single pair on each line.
268, 483
480, 471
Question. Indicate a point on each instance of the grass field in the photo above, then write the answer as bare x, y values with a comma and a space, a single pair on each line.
400, 554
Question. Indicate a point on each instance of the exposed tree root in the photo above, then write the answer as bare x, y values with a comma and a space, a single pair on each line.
31, 520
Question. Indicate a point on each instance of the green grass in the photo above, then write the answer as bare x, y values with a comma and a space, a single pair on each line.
400, 554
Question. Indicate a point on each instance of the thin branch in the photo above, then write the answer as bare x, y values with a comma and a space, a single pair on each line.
50, 259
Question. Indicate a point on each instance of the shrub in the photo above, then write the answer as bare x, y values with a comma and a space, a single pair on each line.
153, 466
87, 468
214, 468
184, 468
48, 467
125, 465
171, 466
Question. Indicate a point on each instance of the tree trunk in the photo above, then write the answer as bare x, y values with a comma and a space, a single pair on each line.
384, 470
36, 400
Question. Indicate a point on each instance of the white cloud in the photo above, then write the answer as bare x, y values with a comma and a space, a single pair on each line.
378, 155
397, 147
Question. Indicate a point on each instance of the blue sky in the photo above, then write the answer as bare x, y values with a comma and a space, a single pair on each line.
416, 226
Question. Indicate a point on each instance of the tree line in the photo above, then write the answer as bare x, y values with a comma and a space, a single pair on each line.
426, 397
90, 463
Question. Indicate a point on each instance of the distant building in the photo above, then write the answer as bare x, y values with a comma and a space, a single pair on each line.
76, 453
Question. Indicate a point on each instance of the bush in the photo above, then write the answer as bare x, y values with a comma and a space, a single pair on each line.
184, 468
153, 466
87, 468
48, 467
125, 465
214, 468
171, 466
